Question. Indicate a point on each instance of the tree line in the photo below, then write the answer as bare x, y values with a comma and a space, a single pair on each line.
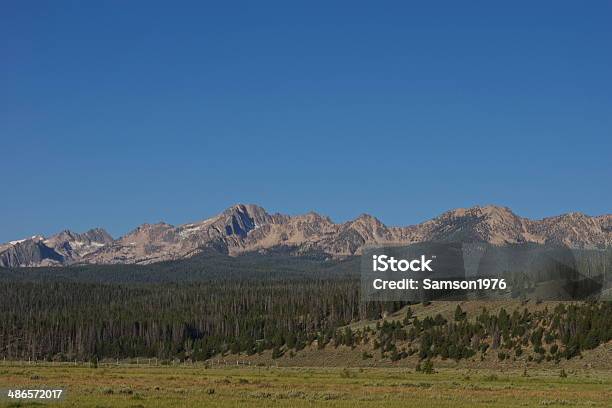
66, 320
211, 305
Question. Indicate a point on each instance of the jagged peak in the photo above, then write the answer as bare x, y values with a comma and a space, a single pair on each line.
94, 234
239, 219
148, 227
495, 208
99, 234
571, 216
66, 232
237, 228
479, 211
315, 216
245, 208
366, 218
34, 238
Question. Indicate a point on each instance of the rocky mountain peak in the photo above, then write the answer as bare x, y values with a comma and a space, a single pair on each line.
99, 235
366, 218
487, 211
239, 219
146, 233
244, 228
66, 235
371, 228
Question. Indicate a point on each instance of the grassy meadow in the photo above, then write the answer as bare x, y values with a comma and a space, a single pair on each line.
198, 386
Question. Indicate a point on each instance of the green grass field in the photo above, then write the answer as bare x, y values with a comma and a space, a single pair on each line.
127, 386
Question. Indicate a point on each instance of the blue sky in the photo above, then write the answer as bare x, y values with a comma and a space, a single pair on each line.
117, 113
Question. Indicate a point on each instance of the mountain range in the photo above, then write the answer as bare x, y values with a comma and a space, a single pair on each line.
246, 228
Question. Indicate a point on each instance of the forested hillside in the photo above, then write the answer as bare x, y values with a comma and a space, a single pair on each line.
219, 305
76, 320
190, 309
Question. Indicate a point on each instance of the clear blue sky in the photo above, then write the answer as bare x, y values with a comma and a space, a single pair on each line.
117, 113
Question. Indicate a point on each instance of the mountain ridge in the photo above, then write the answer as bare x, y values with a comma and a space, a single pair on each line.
244, 228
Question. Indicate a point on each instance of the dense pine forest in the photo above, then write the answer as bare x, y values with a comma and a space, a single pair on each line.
198, 320
192, 309
210, 306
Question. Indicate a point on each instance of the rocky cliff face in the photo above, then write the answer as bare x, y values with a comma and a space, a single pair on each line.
63, 248
247, 228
